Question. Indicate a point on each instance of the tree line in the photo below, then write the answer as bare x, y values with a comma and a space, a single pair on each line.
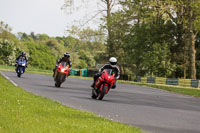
153, 37
148, 37
159, 38
43, 51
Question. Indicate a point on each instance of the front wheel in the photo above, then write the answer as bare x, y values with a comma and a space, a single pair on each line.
103, 92
58, 80
18, 72
94, 94
57, 84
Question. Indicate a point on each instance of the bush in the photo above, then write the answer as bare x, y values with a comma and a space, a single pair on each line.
7, 52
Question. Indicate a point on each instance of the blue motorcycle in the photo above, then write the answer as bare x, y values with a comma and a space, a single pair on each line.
21, 65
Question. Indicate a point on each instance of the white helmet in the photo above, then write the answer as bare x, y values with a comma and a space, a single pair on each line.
113, 61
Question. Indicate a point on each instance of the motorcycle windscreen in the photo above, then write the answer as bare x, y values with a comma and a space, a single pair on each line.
22, 61
64, 64
110, 71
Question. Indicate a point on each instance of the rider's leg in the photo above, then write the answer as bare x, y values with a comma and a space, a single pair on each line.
114, 84
54, 71
16, 66
95, 78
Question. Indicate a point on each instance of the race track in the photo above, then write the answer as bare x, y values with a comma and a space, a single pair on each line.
152, 110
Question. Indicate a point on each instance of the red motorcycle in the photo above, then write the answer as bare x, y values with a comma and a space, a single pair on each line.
61, 73
103, 84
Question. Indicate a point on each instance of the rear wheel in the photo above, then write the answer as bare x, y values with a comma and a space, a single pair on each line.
19, 72
103, 92
19, 75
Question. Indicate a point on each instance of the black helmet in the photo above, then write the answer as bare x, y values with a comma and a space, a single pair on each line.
67, 55
23, 53
113, 61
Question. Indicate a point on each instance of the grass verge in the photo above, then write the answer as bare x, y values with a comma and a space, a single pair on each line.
23, 112
36, 70
177, 89
28, 70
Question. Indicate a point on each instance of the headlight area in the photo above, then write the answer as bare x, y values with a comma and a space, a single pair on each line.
62, 70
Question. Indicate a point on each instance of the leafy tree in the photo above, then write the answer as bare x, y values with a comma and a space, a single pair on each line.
82, 64
7, 52
4, 27
40, 56
56, 48
109, 4
25, 37
33, 36
88, 44
136, 32
42, 37
187, 12
157, 61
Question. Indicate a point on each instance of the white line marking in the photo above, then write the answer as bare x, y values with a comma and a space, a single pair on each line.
8, 79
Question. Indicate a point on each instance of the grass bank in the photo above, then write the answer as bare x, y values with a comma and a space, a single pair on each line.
35, 70
177, 89
23, 112
28, 70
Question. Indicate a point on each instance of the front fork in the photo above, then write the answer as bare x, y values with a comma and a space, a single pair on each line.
102, 87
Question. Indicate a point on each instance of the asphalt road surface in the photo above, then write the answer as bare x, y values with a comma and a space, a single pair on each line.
153, 110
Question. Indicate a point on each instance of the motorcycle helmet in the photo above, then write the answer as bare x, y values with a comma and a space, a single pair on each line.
113, 61
23, 53
67, 55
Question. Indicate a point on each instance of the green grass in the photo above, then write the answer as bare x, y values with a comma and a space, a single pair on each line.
23, 112
36, 70
177, 89
28, 70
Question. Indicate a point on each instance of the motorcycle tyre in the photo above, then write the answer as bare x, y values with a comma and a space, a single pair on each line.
19, 73
57, 84
101, 94
94, 96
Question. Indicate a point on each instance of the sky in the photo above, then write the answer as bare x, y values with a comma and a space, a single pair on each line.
39, 16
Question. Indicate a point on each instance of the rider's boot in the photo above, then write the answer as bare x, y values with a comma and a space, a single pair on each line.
92, 85
53, 73
114, 86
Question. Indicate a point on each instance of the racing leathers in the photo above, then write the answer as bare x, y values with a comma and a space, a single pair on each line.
63, 59
115, 69
19, 57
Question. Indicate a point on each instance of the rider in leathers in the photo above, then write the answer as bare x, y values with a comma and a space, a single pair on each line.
66, 59
112, 64
22, 55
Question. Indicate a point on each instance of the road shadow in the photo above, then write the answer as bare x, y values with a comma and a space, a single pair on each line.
90, 98
63, 89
